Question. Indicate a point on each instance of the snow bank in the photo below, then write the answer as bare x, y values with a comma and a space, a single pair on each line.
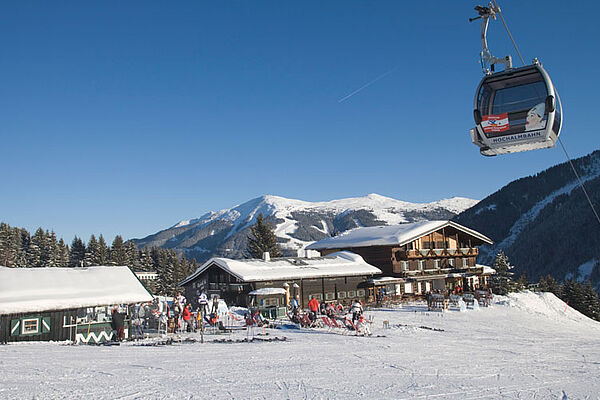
545, 304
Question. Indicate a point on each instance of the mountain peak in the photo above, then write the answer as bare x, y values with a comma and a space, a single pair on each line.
297, 223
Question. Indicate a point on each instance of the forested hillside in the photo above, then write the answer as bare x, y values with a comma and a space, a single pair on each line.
20, 249
544, 222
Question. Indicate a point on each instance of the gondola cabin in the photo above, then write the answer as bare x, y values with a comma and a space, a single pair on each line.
43, 304
516, 110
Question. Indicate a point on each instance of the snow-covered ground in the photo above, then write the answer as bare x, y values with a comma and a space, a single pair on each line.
526, 346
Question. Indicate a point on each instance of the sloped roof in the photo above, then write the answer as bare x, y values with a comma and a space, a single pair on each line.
42, 289
390, 235
342, 263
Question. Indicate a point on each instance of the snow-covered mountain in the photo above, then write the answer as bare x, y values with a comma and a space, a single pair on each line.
297, 223
544, 223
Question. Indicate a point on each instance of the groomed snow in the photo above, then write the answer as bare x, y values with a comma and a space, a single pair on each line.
39, 289
524, 347
389, 235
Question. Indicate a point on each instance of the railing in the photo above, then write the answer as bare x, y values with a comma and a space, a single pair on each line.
420, 253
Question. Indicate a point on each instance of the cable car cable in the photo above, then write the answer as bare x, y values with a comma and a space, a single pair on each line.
559, 139
508, 31
579, 179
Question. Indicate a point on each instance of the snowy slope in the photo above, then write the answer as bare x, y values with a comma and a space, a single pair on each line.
527, 346
297, 223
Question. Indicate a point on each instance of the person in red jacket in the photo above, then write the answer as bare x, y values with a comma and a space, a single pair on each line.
187, 318
313, 306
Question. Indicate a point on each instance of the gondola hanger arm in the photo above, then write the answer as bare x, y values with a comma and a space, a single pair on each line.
488, 61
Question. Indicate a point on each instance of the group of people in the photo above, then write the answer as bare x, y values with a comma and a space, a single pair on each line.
331, 310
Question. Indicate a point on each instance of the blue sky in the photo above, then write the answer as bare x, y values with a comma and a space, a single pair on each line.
126, 117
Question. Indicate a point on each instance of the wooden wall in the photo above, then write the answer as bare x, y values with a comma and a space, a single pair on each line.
56, 332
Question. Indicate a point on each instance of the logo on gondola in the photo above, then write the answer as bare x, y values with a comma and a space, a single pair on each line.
495, 123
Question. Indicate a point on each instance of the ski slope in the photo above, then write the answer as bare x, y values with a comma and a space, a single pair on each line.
527, 346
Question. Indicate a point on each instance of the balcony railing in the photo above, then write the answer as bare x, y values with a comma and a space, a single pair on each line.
421, 253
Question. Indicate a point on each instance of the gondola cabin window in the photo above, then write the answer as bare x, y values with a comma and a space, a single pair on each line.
30, 326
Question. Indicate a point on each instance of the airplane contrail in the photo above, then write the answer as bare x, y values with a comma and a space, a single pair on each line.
368, 84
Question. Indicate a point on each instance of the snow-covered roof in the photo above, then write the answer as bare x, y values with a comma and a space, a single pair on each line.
390, 235
486, 270
40, 289
268, 291
342, 263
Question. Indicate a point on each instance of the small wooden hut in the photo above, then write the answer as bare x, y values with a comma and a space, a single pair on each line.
41, 304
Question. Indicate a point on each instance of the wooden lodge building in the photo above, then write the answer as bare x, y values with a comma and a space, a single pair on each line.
416, 258
39, 304
340, 276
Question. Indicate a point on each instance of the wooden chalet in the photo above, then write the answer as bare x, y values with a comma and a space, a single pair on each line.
337, 277
416, 258
39, 304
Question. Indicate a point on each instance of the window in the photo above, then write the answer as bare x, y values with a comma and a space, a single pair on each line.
404, 265
360, 293
436, 264
330, 296
465, 262
451, 262
30, 326
421, 265
341, 295
317, 296
351, 293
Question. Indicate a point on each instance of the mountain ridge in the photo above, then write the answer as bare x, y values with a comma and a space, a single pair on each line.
297, 222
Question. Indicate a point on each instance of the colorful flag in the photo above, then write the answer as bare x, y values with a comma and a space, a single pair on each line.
495, 123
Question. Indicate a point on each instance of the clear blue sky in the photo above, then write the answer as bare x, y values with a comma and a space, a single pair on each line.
126, 117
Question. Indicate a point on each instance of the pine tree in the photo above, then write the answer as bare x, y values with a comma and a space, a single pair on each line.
164, 270
34, 253
92, 252
63, 251
51, 251
133, 255
522, 283
76, 253
146, 262
262, 239
103, 251
6, 245
591, 302
22, 241
118, 254
501, 281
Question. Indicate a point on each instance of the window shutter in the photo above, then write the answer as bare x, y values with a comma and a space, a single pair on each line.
14, 326
45, 324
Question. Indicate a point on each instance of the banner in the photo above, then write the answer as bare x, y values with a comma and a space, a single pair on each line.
495, 123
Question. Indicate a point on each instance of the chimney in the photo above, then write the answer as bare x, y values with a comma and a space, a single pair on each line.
266, 256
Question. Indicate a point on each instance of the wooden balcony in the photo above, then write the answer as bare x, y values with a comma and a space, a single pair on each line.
437, 253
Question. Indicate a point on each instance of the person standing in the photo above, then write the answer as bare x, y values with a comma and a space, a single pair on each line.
356, 309
203, 305
313, 306
186, 315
